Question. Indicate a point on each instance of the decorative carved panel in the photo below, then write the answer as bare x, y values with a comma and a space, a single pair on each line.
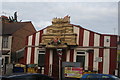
61, 30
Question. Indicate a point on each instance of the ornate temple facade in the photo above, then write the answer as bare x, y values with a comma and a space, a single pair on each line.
94, 51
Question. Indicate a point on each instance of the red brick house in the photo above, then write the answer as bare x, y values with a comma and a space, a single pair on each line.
13, 38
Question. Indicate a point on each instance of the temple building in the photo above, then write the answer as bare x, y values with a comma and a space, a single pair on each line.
69, 43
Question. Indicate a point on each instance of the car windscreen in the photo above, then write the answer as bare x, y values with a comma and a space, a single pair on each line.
30, 77
92, 76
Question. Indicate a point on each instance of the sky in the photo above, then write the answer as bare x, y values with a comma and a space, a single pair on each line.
101, 17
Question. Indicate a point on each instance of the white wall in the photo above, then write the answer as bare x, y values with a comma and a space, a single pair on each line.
0, 42
9, 48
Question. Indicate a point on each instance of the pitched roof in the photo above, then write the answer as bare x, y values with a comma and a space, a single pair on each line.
10, 28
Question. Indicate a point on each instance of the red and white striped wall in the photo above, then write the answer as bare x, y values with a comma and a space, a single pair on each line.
32, 43
104, 46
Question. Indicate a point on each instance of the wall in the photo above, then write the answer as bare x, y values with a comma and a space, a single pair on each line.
103, 46
0, 42
19, 37
0, 55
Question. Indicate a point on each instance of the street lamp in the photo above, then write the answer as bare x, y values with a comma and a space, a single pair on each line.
59, 52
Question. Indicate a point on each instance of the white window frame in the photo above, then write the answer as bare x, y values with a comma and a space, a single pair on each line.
81, 55
40, 53
38, 59
3, 57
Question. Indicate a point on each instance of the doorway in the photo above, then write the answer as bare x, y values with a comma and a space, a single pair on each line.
55, 66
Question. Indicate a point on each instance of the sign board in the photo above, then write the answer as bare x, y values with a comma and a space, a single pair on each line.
98, 59
69, 64
73, 72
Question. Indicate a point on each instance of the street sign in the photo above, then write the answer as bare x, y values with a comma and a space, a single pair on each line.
59, 52
73, 72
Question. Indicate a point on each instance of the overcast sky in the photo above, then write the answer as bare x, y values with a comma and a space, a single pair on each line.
101, 17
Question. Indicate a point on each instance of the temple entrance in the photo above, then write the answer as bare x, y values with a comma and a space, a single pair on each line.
55, 67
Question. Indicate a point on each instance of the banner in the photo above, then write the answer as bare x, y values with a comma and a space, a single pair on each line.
73, 72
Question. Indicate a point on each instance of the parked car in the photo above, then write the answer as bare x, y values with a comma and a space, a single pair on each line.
99, 77
2, 77
28, 76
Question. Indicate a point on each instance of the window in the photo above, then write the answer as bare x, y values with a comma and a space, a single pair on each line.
6, 60
81, 58
105, 76
2, 61
41, 58
92, 76
5, 41
80, 53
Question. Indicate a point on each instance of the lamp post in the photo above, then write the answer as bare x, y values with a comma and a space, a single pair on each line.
59, 52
